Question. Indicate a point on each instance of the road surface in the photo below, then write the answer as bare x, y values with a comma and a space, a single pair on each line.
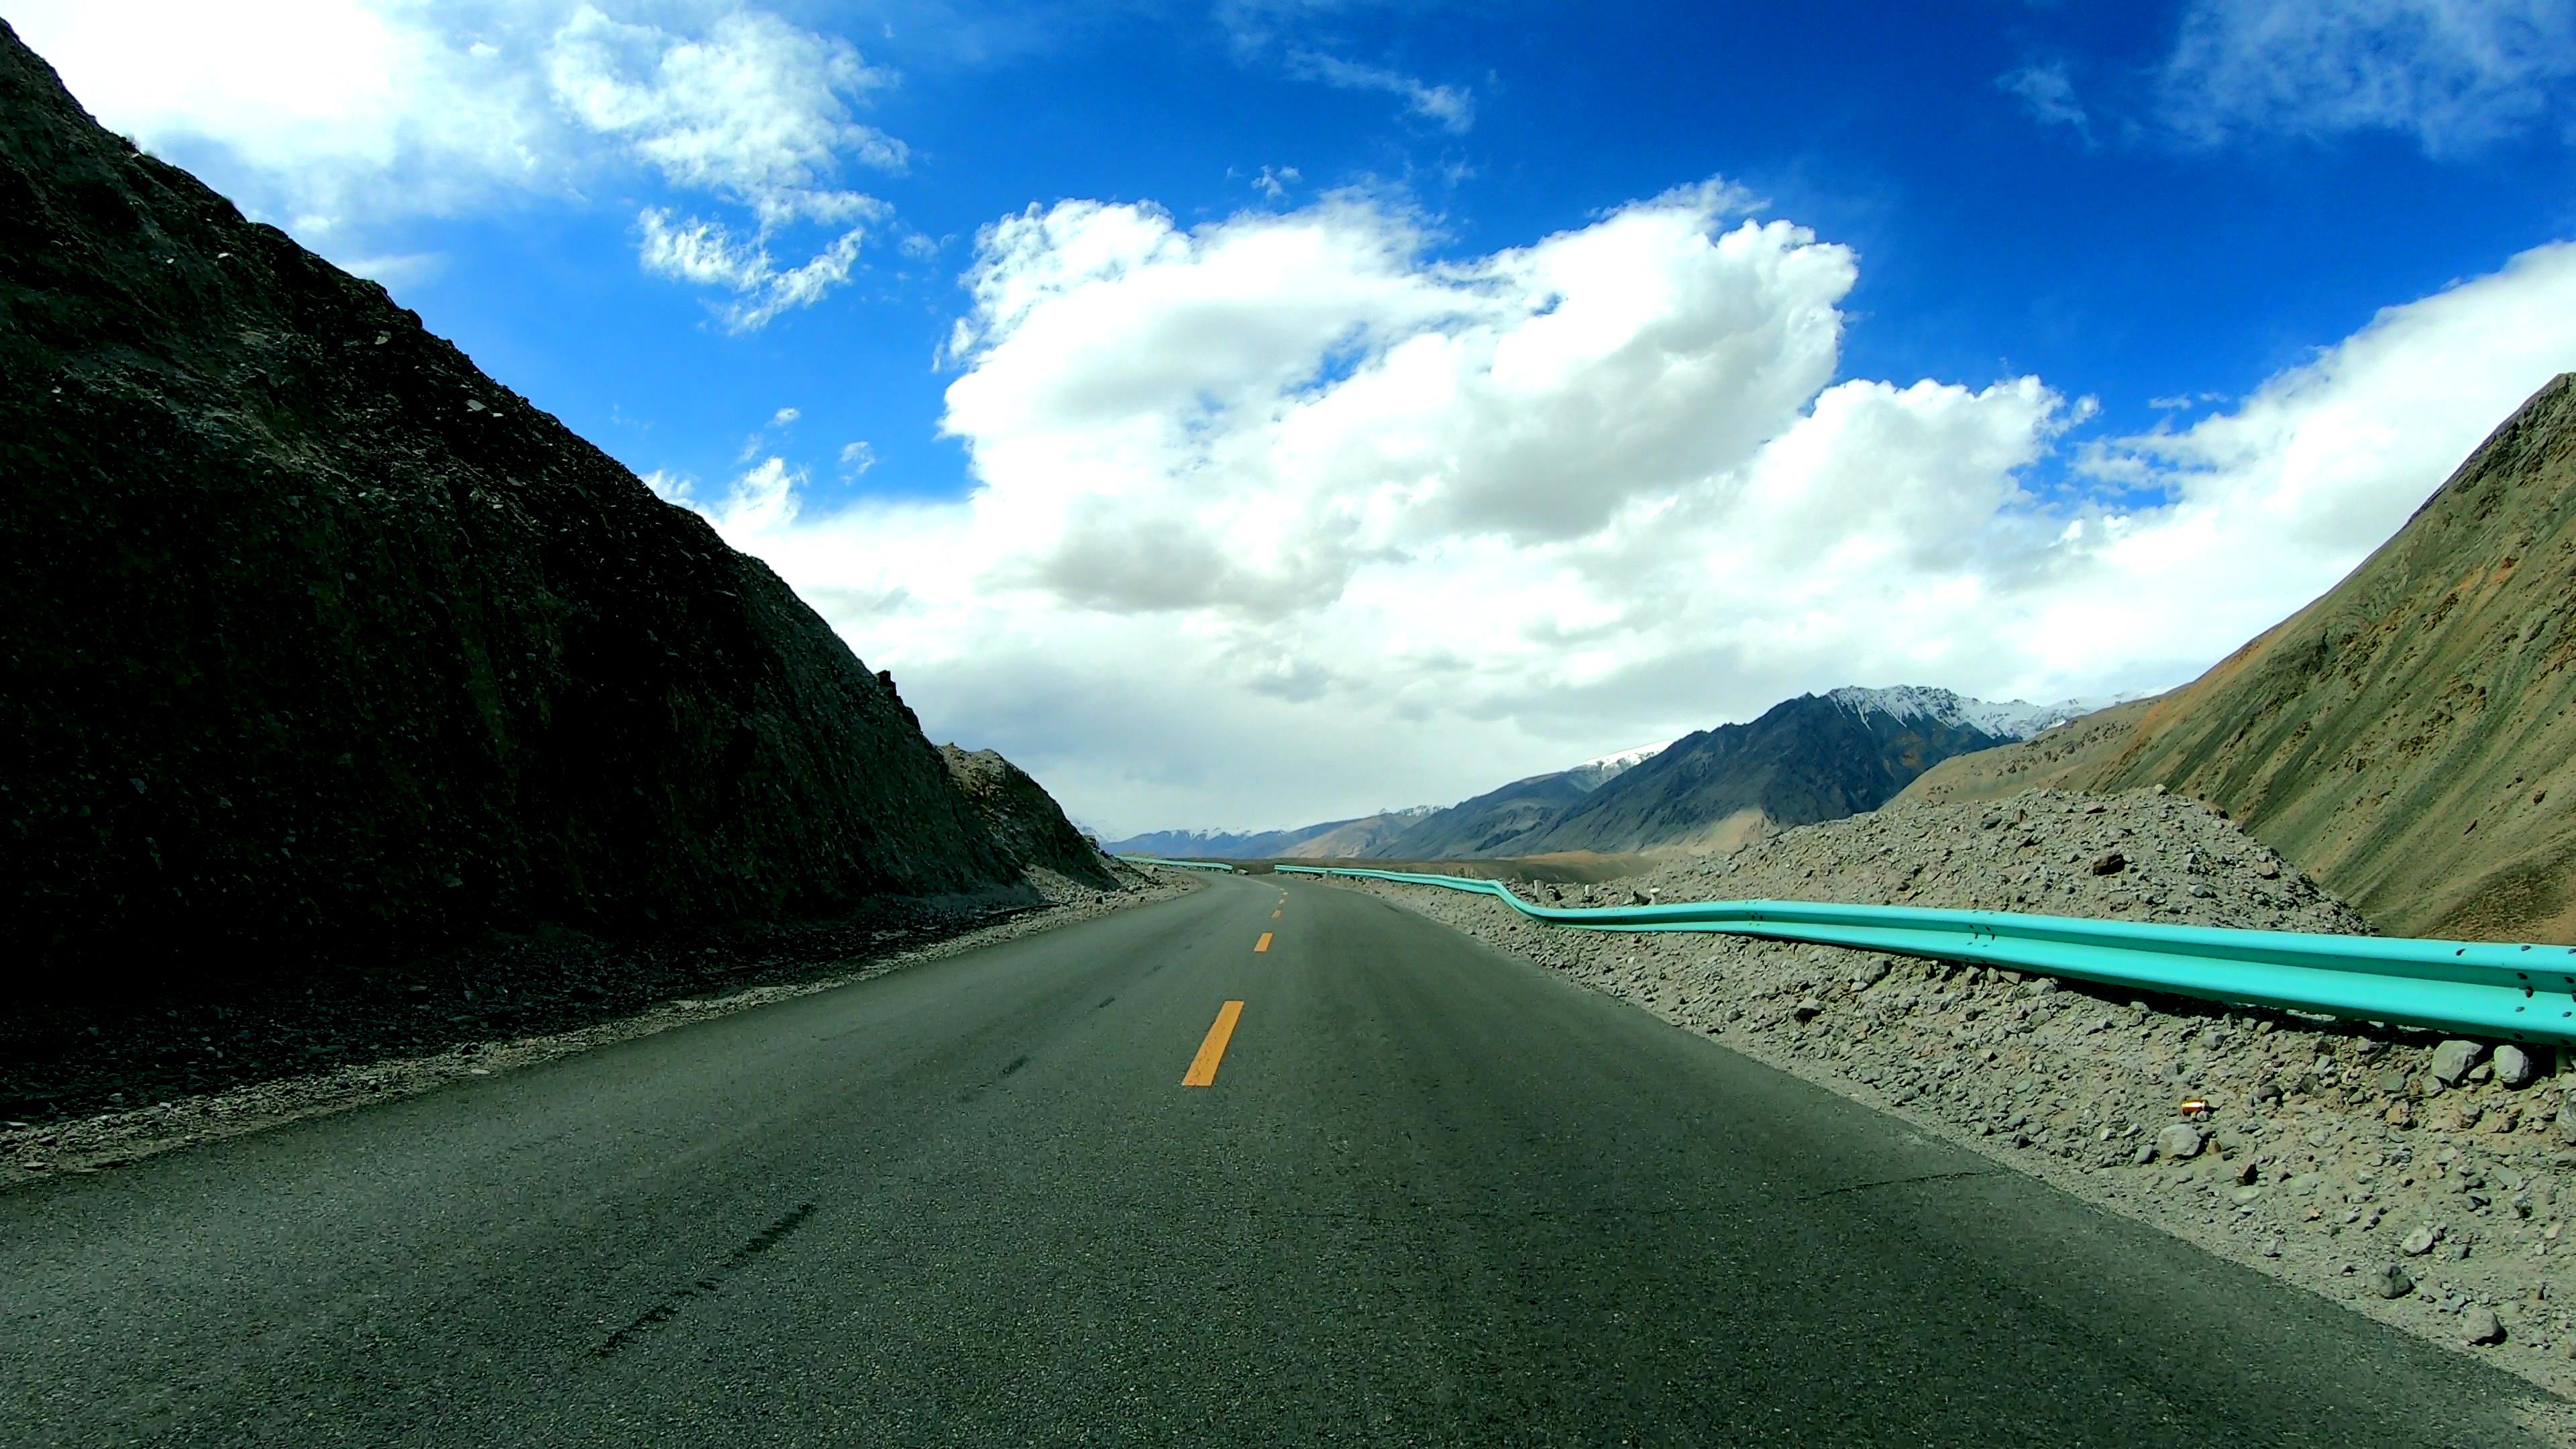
1418, 1192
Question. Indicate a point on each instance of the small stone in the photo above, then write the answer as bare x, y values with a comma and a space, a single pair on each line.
2419, 1242
2514, 1067
2268, 868
2272, 1248
2392, 1281
2480, 1325
2452, 1060
1807, 1009
2145, 1154
2400, 1115
2179, 1141
2111, 863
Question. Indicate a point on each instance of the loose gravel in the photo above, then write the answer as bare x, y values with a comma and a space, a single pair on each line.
2429, 1184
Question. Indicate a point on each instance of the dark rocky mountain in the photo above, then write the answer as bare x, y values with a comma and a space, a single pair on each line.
1817, 757
1481, 826
321, 643
1813, 758
2409, 739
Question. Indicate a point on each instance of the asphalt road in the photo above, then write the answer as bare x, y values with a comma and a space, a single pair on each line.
1430, 1195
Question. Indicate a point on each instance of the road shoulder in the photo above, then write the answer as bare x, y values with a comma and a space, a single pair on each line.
81, 1143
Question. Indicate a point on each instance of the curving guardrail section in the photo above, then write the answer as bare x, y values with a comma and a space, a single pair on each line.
1182, 864
2481, 988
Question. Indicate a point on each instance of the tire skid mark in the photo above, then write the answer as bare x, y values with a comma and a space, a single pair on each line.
1873, 1185
734, 1262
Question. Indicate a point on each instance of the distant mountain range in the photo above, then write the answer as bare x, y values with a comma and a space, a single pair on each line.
2408, 739
1329, 840
1816, 757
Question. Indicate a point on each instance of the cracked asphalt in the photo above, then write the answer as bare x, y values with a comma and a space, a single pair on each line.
1429, 1194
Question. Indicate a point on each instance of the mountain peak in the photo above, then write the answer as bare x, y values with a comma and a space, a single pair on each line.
2011, 719
1618, 760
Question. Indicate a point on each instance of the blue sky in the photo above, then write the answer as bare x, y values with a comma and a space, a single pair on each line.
1404, 397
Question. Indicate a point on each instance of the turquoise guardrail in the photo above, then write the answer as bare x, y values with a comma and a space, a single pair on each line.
1183, 864
2478, 988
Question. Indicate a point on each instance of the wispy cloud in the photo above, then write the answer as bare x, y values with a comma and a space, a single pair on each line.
2456, 75
1449, 107
2047, 92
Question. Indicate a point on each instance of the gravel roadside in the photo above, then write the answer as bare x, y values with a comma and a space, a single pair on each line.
2425, 1183
812, 960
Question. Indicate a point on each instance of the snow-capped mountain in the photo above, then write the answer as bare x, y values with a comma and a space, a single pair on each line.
1595, 773
2011, 719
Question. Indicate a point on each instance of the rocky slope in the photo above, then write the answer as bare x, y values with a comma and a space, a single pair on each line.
1026, 822
2427, 1185
2410, 737
322, 644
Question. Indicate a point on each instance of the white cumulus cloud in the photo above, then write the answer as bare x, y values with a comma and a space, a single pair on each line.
1287, 515
316, 110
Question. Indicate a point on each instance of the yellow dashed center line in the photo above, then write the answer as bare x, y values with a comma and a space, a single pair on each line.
1212, 1051
1274, 915
1263, 944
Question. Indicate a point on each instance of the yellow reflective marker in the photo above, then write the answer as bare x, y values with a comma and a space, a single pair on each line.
1211, 1051
1263, 944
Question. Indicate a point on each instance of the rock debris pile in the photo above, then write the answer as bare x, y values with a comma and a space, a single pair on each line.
2423, 1181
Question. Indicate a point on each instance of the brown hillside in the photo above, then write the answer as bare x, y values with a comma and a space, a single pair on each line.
2408, 738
